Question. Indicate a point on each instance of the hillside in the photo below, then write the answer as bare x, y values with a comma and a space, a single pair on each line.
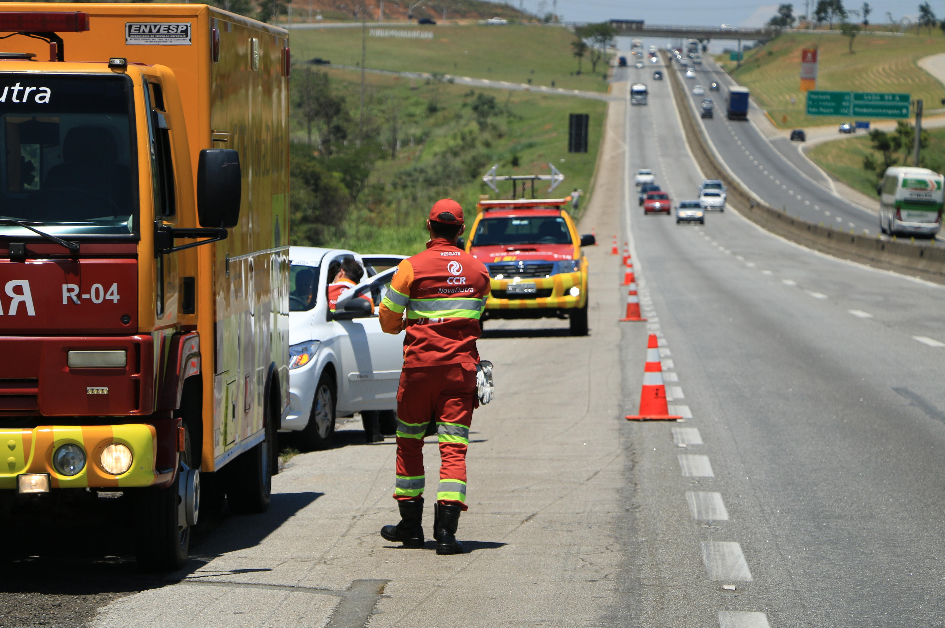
396, 10
878, 64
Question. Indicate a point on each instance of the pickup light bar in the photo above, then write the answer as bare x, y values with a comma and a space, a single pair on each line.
43, 22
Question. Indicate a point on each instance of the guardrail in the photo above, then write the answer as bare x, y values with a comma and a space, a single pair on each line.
637, 27
927, 262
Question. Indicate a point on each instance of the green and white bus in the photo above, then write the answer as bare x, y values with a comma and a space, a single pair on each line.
911, 201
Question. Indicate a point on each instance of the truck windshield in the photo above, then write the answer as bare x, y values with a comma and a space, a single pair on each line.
522, 230
67, 164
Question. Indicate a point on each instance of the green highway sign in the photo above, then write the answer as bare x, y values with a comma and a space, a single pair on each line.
734, 56
865, 104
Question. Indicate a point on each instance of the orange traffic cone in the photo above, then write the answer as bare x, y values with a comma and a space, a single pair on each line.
653, 406
613, 249
626, 253
633, 306
628, 277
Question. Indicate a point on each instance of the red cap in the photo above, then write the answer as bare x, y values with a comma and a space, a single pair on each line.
447, 211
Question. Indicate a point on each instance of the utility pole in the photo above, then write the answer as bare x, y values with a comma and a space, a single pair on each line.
918, 131
380, 17
363, 59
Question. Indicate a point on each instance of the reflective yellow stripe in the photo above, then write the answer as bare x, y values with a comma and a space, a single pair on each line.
415, 314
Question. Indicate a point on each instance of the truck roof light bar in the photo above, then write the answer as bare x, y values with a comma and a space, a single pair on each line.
524, 203
43, 21
490, 179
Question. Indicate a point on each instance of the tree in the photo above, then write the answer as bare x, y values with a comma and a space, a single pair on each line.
927, 16
321, 108
866, 10
829, 11
240, 7
269, 9
305, 87
784, 18
851, 31
601, 37
578, 49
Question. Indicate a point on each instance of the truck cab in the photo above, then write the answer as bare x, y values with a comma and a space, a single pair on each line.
535, 260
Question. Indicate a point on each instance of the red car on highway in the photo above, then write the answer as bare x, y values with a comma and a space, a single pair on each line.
657, 203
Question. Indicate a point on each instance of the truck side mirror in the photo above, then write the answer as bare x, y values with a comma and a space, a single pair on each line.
218, 187
355, 308
461, 243
588, 240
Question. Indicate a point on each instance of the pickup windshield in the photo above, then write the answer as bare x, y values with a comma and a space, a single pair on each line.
522, 230
67, 164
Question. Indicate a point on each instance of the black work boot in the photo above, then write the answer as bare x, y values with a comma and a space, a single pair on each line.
445, 521
409, 531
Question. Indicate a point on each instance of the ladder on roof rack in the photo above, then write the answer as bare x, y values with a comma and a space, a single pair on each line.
490, 179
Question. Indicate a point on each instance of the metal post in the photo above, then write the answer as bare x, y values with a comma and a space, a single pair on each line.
381, 14
739, 61
918, 131
363, 58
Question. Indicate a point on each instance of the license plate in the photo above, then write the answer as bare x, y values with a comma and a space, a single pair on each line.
521, 288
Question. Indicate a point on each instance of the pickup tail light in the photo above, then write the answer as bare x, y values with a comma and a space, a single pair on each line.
43, 22
898, 215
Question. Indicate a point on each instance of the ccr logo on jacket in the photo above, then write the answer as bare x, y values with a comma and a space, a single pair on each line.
443, 291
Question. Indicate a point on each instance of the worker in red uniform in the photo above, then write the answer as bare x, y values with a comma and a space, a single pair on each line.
345, 274
437, 296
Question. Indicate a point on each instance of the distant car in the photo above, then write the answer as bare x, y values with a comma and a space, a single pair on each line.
690, 211
846, 127
727, 27
690, 73
645, 189
426, 20
653, 59
713, 86
497, 21
706, 111
712, 199
698, 90
657, 203
639, 65
714, 185
622, 62
798, 135
644, 175
657, 76
320, 61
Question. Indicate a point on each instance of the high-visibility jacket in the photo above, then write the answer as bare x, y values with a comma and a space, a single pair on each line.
335, 290
443, 291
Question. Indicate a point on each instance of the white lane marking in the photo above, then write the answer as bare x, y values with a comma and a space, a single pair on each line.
706, 506
766, 272
685, 436
929, 341
765, 172
860, 314
680, 410
695, 466
665, 353
817, 295
725, 561
783, 187
826, 213
742, 619
750, 264
671, 376
660, 341
789, 282
807, 202
851, 224
674, 392
777, 182
667, 365
839, 219
760, 167
740, 258
816, 206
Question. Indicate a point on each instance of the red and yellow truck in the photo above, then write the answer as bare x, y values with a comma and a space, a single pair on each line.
144, 183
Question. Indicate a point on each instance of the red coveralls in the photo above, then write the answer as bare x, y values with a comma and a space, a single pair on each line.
337, 289
443, 291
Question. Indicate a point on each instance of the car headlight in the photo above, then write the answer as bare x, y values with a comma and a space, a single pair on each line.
567, 266
303, 353
69, 459
116, 459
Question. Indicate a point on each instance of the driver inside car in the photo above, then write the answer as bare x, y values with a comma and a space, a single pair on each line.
304, 281
345, 274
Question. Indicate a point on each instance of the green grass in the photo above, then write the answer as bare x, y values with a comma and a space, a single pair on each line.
843, 159
879, 64
513, 53
530, 126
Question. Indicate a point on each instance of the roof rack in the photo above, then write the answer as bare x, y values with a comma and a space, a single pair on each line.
490, 178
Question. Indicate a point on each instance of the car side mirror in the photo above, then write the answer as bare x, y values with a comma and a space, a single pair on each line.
588, 240
461, 243
355, 308
879, 189
219, 185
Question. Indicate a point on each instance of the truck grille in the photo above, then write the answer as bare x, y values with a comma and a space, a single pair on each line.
525, 270
543, 293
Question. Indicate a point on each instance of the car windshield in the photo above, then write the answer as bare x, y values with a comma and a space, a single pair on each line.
303, 287
68, 159
712, 186
657, 196
644, 172
522, 230
690, 205
711, 193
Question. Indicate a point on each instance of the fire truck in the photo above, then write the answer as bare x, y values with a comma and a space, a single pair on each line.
144, 187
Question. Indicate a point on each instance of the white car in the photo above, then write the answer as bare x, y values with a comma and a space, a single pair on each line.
339, 363
654, 60
698, 90
644, 176
711, 200
690, 73
712, 184
497, 21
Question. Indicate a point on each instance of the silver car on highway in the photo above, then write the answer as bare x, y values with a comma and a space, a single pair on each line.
690, 211
712, 200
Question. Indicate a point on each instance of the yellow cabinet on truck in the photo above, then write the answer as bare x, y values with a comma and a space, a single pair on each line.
144, 183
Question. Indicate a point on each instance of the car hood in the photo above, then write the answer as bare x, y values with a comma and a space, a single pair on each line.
513, 253
712, 200
302, 327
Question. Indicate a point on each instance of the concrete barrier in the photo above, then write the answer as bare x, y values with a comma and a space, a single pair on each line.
924, 261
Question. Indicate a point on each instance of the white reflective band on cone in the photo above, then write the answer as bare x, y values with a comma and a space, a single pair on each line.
653, 355
652, 379
633, 287
632, 298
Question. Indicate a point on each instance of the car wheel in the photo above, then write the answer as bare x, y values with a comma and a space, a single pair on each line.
702, 222
577, 320
677, 221
882, 226
320, 430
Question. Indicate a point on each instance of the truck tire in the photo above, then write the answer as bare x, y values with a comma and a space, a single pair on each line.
577, 320
320, 429
249, 483
387, 419
161, 543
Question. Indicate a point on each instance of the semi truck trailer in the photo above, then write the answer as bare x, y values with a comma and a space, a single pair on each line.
737, 103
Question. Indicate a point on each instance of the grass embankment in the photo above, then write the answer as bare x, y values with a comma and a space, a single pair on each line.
843, 159
446, 152
398, 10
879, 64
513, 53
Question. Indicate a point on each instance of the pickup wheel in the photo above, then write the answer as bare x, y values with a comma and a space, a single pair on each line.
387, 420
577, 320
249, 483
320, 430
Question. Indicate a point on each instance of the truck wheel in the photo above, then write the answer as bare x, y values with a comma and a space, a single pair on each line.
387, 420
249, 483
578, 321
162, 536
320, 430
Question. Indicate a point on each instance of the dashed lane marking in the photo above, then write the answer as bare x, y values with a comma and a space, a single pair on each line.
742, 619
851, 224
725, 561
706, 506
817, 295
680, 410
695, 466
685, 436
839, 219
826, 213
665, 353
667, 365
670, 376
789, 282
860, 314
674, 392
931, 342
750, 264
766, 272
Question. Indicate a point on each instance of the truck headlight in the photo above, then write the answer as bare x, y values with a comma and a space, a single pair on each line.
116, 459
69, 460
567, 266
303, 353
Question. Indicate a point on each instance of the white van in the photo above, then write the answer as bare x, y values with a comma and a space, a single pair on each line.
911, 201
638, 94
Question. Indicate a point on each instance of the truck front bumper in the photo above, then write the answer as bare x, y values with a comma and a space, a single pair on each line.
565, 291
